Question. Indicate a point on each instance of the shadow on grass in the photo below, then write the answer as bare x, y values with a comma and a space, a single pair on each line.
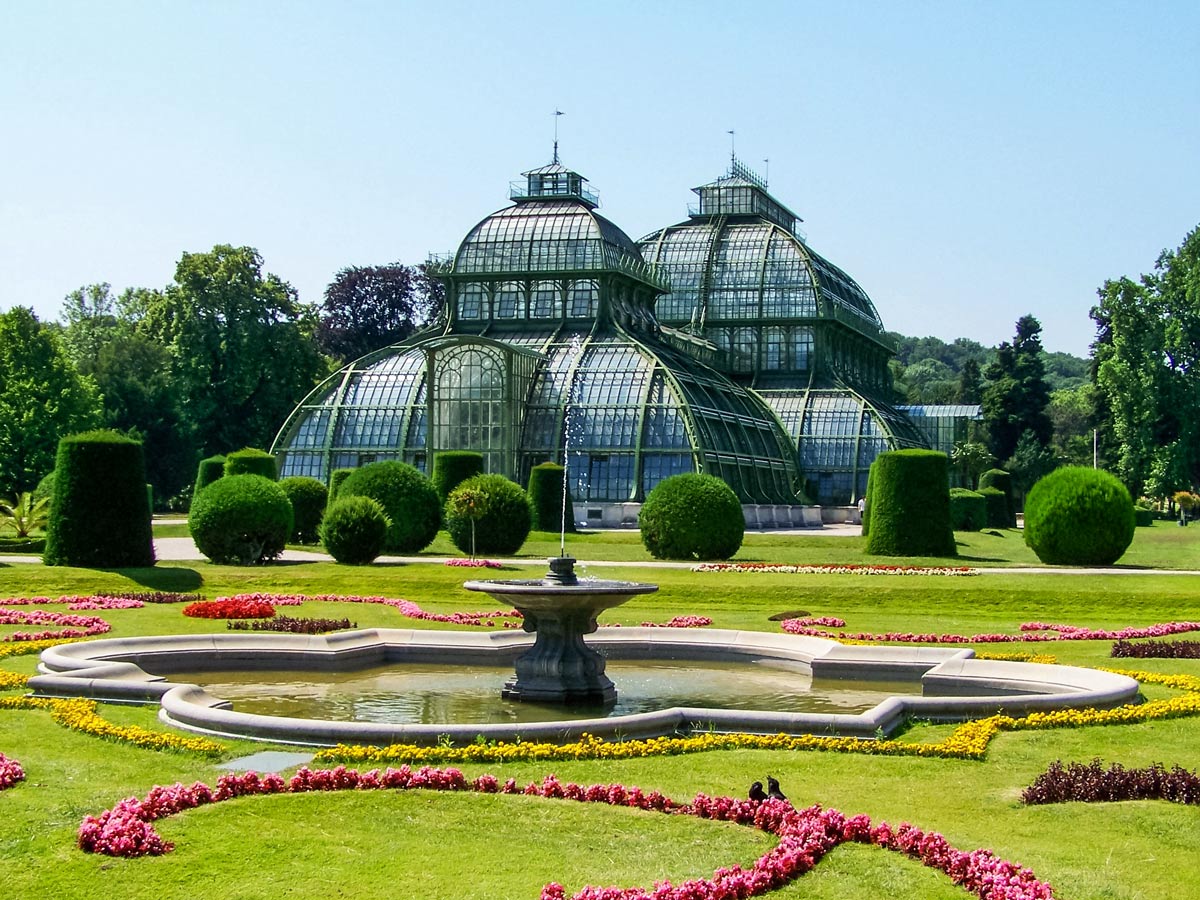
172, 579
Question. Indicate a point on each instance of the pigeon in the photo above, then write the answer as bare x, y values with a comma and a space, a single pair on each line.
756, 792
773, 790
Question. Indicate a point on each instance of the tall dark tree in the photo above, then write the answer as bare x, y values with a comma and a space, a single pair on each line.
370, 307
970, 384
1016, 395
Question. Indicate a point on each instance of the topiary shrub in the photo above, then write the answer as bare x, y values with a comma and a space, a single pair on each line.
488, 514
997, 507
45, 488
546, 495
1002, 481
207, 472
451, 468
910, 504
1078, 516
692, 516
1143, 518
251, 461
968, 510
99, 516
241, 520
354, 530
336, 478
406, 496
308, 497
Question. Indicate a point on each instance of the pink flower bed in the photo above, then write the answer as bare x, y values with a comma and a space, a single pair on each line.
405, 607
10, 772
834, 569
1030, 632
681, 622
474, 563
230, 608
805, 835
70, 626
102, 601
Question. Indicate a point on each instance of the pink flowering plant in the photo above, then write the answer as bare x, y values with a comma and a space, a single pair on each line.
10, 772
833, 569
1029, 632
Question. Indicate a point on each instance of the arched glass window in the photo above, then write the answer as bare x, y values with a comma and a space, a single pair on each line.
470, 403
472, 301
583, 299
509, 301
545, 300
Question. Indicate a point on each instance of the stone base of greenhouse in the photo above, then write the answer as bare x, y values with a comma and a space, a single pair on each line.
758, 516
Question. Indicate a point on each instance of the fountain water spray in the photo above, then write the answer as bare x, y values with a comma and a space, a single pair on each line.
576, 353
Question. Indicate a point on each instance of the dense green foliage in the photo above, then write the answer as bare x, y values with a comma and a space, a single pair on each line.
692, 516
406, 496
251, 461
241, 520
1143, 518
910, 505
336, 479
451, 468
24, 514
968, 510
996, 503
100, 514
209, 470
1001, 481
42, 399
1017, 395
45, 487
308, 497
546, 495
1077, 516
488, 514
354, 530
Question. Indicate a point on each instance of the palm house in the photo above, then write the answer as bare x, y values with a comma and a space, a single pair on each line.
722, 345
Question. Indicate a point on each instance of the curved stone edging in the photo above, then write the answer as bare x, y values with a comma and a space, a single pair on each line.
956, 686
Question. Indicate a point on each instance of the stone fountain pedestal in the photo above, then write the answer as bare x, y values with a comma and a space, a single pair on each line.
559, 610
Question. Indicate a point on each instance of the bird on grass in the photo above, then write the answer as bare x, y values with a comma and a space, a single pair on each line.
756, 792
773, 790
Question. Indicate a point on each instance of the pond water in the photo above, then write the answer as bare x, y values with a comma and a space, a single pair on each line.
434, 694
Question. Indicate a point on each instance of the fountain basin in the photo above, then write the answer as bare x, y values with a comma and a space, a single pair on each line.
955, 686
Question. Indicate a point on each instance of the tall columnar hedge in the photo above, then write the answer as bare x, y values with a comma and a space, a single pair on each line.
997, 507
251, 461
496, 519
968, 510
100, 515
451, 468
546, 495
692, 516
308, 497
910, 505
1002, 481
407, 497
1078, 516
336, 478
210, 469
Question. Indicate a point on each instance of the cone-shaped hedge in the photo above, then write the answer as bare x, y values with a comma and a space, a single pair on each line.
1077, 516
451, 468
100, 516
546, 495
910, 505
251, 462
407, 497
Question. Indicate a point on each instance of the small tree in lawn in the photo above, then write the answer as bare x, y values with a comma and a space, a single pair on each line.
470, 503
1186, 501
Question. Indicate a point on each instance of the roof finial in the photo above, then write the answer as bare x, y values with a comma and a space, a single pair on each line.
557, 112
766, 172
732, 147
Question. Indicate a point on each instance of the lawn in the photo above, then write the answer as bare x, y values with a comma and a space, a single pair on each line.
421, 844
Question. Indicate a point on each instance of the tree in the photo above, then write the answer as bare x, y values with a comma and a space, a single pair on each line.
240, 344
1072, 413
370, 307
929, 381
972, 460
970, 384
42, 398
1016, 396
1031, 460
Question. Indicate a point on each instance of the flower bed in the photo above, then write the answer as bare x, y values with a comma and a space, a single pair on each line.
406, 608
1156, 650
125, 600
681, 622
805, 835
288, 625
10, 772
72, 626
474, 563
1029, 632
833, 569
1093, 783
230, 608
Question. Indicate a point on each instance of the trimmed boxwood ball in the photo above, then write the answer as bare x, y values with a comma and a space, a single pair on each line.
692, 516
909, 501
209, 470
546, 495
354, 530
997, 507
968, 510
99, 513
241, 520
1077, 516
336, 478
308, 497
504, 523
451, 468
251, 461
1002, 481
406, 496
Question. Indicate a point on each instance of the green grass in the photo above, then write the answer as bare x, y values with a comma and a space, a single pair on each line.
451, 846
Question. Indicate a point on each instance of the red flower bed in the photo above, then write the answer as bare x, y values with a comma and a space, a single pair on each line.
230, 608
288, 625
1156, 650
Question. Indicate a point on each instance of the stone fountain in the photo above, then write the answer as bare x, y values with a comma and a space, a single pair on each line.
559, 609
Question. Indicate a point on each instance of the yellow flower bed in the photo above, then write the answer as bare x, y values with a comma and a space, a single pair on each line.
10, 681
24, 648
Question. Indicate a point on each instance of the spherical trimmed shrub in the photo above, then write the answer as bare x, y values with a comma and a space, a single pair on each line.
354, 530
241, 520
308, 497
99, 514
251, 461
336, 478
909, 501
209, 470
968, 510
1077, 516
546, 495
692, 516
997, 507
406, 496
451, 468
500, 510
1002, 481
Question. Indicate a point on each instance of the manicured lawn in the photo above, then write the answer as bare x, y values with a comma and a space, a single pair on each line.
471, 846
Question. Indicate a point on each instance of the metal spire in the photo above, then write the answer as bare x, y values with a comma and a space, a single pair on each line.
557, 112
732, 146
766, 172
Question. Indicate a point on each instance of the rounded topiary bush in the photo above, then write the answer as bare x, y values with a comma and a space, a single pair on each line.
546, 495
208, 471
692, 516
968, 510
308, 497
99, 513
451, 468
336, 478
406, 496
241, 520
500, 510
251, 462
997, 507
1001, 481
909, 501
354, 530
1077, 516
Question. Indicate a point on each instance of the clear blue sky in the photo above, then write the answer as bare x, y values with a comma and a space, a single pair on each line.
966, 162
